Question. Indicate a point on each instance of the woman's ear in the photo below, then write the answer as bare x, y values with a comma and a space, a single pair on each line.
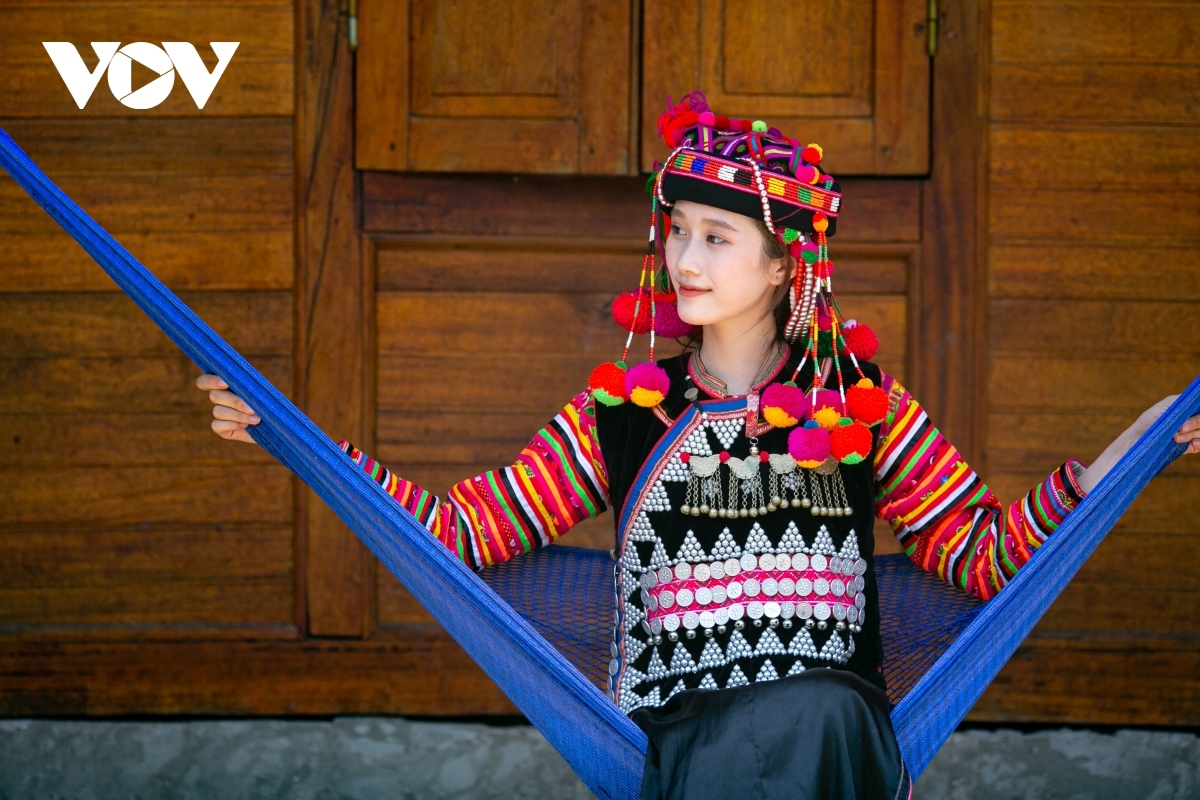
782, 270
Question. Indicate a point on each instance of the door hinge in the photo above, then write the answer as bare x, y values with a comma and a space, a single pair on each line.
352, 25
931, 26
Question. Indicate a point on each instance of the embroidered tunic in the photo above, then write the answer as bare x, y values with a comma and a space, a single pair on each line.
707, 602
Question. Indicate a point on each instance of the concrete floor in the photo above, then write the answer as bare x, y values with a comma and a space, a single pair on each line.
376, 757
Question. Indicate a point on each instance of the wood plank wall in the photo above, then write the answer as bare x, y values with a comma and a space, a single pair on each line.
1093, 316
122, 518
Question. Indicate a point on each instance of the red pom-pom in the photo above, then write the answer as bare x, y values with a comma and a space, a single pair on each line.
784, 405
724, 456
607, 383
722, 123
868, 406
811, 154
647, 385
809, 446
764, 457
828, 398
685, 456
861, 341
850, 444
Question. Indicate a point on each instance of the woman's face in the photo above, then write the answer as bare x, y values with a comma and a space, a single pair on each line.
717, 263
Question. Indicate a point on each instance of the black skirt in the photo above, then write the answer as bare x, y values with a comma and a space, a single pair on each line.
824, 734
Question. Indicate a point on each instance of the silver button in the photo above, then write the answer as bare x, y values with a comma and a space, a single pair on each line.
839, 611
735, 611
717, 570
787, 610
734, 590
721, 615
704, 595
847, 567
656, 626
838, 587
752, 587
754, 610
649, 580
707, 619
852, 614
787, 587
683, 570
860, 567
749, 561
691, 394
670, 622
771, 609
691, 620
665, 575
860, 600
651, 603
770, 587
666, 598
821, 611
718, 594
645, 597
684, 597
835, 564
857, 585
783, 561
821, 587
613, 666
799, 562
701, 572
804, 610
819, 562
804, 587
732, 567
766, 561
612, 648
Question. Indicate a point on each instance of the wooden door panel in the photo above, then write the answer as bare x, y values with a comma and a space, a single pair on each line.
494, 86
850, 75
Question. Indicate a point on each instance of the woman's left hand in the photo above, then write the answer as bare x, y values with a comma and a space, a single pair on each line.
1188, 432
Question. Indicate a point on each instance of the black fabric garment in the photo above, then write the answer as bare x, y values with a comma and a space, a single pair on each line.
628, 433
821, 735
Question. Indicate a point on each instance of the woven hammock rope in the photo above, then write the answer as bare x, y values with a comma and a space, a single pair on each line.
942, 649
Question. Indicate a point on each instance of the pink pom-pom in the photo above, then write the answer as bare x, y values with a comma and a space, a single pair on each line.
784, 404
828, 398
647, 385
861, 341
667, 322
809, 446
707, 118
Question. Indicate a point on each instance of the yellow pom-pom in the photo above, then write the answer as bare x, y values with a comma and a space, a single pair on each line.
646, 398
827, 418
865, 383
820, 224
778, 417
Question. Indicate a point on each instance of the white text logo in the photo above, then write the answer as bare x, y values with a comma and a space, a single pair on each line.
164, 61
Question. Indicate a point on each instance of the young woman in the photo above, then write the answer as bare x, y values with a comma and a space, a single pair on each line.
746, 475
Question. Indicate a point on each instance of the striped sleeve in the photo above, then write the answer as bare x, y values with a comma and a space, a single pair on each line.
947, 520
557, 481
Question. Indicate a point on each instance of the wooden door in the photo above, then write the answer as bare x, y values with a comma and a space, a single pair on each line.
519, 86
853, 74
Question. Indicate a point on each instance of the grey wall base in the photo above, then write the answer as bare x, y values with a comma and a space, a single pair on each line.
375, 758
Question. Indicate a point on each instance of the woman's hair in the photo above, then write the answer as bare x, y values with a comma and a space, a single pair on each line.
773, 249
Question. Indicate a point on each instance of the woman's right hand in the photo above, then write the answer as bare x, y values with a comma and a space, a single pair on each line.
231, 415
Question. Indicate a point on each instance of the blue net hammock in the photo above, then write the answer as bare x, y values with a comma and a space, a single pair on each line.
942, 649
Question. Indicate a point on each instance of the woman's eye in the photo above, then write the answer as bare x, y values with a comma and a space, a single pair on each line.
714, 239
676, 230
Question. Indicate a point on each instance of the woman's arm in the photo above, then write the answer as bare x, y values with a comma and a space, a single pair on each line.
947, 519
557, 481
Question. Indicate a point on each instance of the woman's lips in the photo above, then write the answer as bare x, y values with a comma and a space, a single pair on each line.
690, 291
